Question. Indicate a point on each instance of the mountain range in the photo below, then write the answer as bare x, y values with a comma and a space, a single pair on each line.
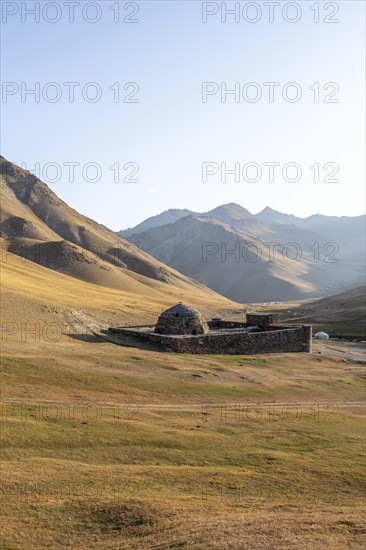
219, 257
269, 256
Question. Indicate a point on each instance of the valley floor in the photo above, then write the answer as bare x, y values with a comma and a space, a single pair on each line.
110, 447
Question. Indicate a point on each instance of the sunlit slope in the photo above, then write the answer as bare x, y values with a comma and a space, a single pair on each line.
35, 224
350, 305
29, 290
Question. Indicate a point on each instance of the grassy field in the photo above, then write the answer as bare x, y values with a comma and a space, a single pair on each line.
104, 447
112, 447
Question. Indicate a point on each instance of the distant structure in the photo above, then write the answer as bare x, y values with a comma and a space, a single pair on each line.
180, 320
183, 329
261, 320
321, 336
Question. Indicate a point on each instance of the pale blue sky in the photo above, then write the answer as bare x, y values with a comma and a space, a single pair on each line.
169, 133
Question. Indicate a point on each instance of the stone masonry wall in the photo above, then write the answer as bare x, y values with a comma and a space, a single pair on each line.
261, 320
294, 339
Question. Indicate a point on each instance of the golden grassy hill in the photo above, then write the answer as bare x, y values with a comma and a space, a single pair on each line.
38, 226
29, 290
350, 305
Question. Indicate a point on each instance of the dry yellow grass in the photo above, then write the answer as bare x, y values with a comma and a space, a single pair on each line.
25, 282
110, 447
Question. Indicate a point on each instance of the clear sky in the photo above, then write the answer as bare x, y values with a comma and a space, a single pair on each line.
170, 132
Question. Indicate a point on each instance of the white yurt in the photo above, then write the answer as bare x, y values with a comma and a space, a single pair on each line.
321, 336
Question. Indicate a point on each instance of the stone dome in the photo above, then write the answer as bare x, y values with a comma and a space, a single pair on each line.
181, 319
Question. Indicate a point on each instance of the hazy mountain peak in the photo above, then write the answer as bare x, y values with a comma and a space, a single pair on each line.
211, 248
168, 216
269, 210
270, 215
228, 213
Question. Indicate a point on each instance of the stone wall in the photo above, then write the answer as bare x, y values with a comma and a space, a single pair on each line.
281, 340
261, 320
219, 323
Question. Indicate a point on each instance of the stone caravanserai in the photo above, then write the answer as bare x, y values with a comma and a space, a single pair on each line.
182, 329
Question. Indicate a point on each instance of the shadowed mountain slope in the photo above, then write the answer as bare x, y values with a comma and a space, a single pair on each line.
250, 259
